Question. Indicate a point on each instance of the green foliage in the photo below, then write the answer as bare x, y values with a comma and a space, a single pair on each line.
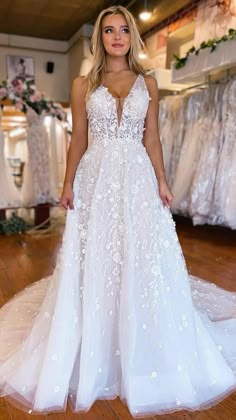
13, 225
211, 43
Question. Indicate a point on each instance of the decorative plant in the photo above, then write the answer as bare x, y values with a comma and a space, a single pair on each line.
13, 225
25, 94
211, 43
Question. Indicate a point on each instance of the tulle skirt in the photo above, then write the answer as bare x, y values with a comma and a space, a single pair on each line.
120, 315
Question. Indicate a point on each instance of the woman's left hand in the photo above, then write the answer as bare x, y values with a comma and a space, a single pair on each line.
165, 194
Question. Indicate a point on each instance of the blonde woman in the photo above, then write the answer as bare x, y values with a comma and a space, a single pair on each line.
116, 318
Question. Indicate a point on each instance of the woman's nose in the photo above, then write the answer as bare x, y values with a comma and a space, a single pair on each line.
117, 34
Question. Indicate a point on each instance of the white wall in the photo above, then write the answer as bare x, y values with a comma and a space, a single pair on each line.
79, 54
75, 57
68, 57
55, 85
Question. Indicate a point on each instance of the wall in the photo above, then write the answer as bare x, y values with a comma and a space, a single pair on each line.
180, 41
75, 58
175, 38
156, 48
79, 54
55, 85
70, 58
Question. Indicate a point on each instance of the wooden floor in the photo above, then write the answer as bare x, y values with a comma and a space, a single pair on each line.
210, 253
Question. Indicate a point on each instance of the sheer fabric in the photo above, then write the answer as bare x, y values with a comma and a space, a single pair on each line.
120, 314
9, 195
199, 153
38, 186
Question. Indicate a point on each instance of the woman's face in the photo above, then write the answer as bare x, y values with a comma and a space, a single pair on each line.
115, 35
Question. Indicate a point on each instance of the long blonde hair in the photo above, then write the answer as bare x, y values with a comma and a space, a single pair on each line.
96, 74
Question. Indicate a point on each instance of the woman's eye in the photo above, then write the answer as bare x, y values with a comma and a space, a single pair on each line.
110, 30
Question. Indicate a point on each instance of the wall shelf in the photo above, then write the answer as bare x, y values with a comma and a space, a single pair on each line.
199, 67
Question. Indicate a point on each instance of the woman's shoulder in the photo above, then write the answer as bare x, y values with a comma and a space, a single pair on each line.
151, 81
151, 84
80, 84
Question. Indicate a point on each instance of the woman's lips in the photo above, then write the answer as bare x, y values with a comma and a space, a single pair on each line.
117, 45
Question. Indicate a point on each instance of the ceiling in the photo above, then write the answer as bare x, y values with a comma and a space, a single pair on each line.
60, 19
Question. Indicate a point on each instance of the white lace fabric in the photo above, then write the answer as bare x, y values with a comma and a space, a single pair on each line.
197, 131
37, 181
9, 195
120, 315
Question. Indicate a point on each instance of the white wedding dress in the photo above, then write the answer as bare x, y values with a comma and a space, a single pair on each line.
224, 201
197, 126
203, 183
38, 184
9, 195
118, 317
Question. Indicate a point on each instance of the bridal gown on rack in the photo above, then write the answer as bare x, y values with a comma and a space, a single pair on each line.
9, 195
224, 202
38, 186
120, 315
197, 127
202, 188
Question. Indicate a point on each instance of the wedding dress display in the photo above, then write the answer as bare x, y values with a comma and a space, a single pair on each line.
200, 163
57, 153
191, 149
203, 184
9, 195
120, 315
38, 187
224, 203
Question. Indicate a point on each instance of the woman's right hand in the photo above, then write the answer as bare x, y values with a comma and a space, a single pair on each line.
67, 197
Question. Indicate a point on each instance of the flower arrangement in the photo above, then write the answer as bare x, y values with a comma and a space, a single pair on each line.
211, 43
25, 94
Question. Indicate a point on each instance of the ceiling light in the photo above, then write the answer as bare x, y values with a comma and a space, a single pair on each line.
145, 14
142, 55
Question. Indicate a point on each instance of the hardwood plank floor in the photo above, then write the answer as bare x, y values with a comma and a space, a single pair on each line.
4, 413
210, 253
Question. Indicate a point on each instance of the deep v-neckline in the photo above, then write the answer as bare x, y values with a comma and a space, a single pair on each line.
114, 98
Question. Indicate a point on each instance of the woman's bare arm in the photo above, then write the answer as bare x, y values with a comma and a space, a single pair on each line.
79, 138
152, 142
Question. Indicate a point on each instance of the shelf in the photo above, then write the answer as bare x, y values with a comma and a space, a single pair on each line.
199, 67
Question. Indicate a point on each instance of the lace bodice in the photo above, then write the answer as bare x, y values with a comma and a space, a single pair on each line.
105, 126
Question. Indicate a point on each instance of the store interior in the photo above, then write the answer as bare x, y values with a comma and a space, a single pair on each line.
189, 47
56, 56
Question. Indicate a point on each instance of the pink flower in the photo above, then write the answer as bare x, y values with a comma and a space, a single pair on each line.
18, 86
19, 90
17, 82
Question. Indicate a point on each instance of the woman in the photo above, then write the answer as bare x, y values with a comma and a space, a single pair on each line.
116, 318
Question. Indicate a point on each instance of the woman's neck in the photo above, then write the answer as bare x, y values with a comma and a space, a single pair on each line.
116, 64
